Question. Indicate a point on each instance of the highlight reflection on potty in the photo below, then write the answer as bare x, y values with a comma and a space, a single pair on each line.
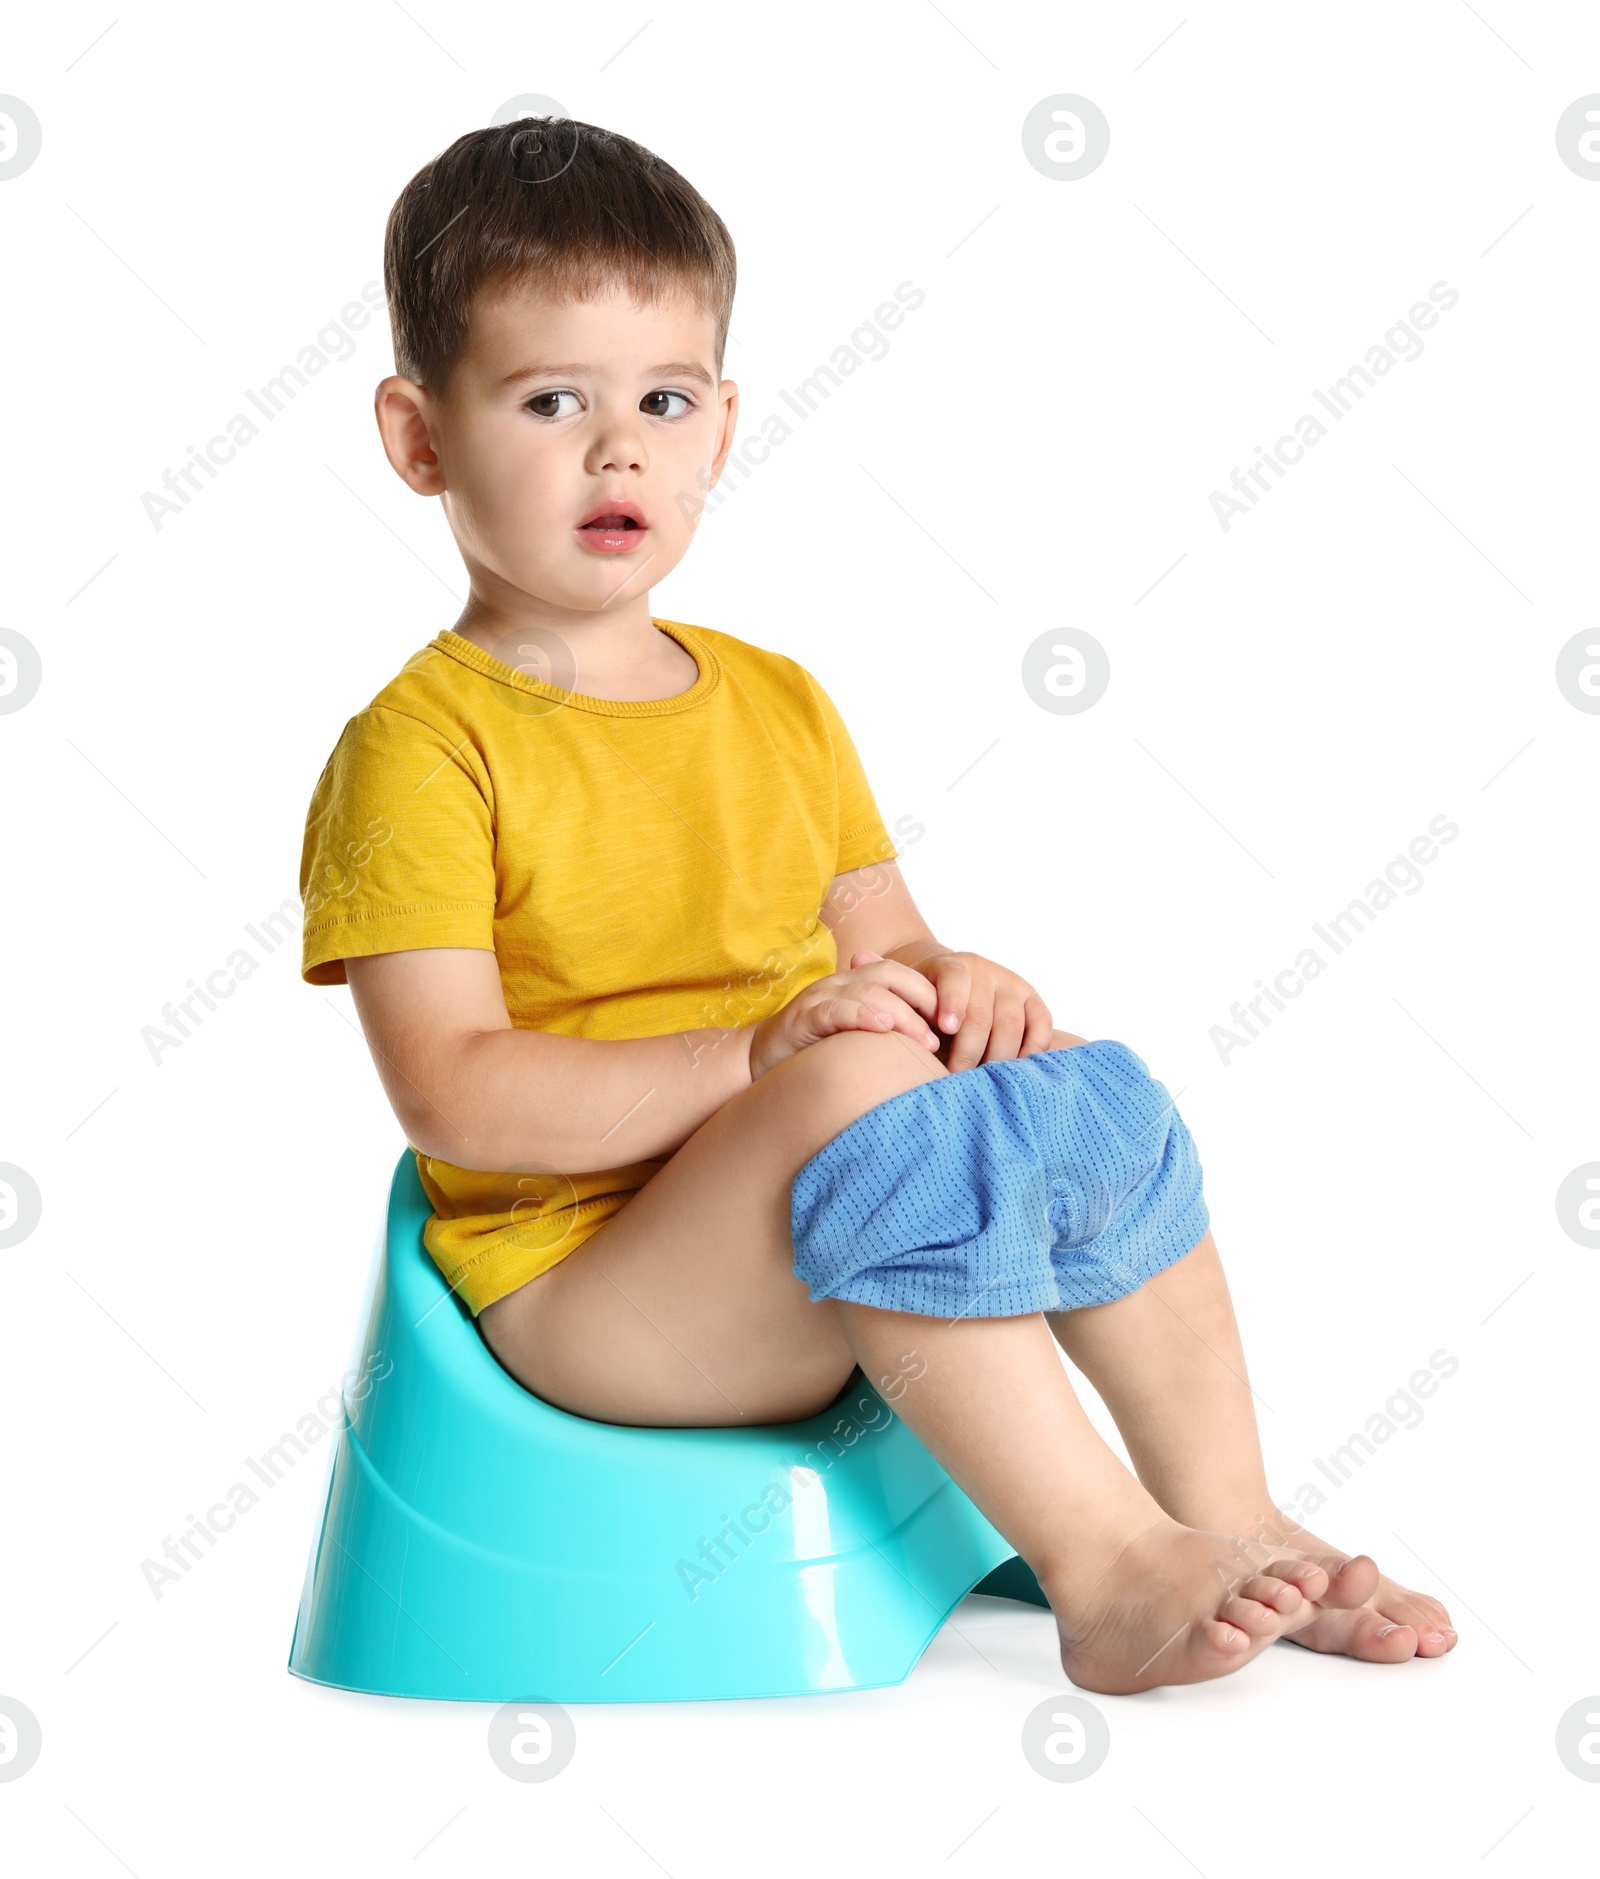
813, 1534
795, 1494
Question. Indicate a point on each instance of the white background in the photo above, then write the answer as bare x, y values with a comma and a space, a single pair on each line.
1374, 645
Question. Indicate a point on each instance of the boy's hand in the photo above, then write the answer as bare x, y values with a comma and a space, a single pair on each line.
986, 1011
875, 994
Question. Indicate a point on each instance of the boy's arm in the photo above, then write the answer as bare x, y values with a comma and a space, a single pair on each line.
458, 1075
986, 1011
872, 907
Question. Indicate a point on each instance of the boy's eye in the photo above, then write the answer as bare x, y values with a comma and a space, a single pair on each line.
654, 404
547, 404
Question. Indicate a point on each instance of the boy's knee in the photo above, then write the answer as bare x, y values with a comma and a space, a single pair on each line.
839, 1078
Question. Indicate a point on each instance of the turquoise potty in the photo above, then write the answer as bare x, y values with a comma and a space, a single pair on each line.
479, 1544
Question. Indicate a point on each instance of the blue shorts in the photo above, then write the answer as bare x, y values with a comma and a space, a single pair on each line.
1033, 1184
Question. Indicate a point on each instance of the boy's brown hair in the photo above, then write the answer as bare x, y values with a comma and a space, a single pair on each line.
561, 204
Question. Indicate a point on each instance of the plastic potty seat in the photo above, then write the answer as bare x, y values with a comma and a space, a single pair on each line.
480, 1544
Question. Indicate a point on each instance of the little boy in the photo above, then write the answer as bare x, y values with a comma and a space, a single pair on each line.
589, 875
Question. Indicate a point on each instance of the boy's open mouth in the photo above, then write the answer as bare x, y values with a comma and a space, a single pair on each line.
613, 527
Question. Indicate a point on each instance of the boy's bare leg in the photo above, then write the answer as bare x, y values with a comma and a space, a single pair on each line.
685, 1309
1168, 1363
1139, 1598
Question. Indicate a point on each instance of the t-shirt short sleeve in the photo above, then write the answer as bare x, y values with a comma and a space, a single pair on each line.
863, 838
399, 846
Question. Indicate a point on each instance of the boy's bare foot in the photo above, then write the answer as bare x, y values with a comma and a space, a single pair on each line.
1175, 1605
1365, 1615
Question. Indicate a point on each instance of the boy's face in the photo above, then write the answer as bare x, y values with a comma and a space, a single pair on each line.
574, 444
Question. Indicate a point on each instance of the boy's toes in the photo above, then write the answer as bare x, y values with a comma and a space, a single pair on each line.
1216, 1645
1311, 1579
1362, 1633
1252, 1615
1434, 1643
1276, 1590
1416, 1612
1351, 1582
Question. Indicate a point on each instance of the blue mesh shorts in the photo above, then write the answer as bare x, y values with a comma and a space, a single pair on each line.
1033, 1184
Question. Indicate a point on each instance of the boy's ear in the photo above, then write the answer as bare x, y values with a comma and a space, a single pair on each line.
728, 418
403, 409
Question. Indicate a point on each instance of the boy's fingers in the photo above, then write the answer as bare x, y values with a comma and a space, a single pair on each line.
905, 980
954, 980
964, 1052
913, 986
967, 1045
1040, 1026
1005, 1034
902, 1017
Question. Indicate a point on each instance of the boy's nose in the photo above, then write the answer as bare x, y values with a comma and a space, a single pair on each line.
618, 445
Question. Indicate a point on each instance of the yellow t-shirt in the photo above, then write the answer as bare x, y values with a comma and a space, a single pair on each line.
637, 866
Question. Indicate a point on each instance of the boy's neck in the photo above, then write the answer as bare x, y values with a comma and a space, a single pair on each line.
618, 653
625, 631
